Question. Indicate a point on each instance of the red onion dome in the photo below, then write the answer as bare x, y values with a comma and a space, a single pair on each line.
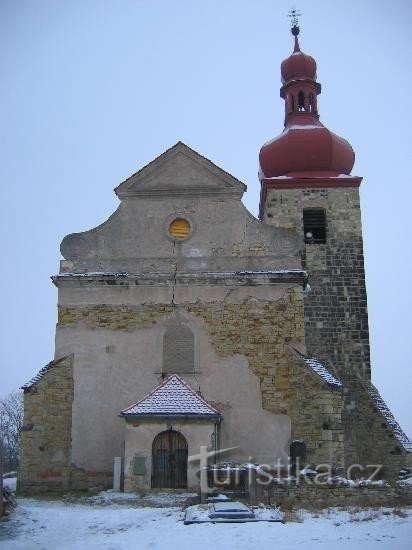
298, 66
306, 148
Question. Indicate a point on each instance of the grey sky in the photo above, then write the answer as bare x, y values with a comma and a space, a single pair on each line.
93, 90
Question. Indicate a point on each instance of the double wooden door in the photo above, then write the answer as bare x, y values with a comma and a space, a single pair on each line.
169, 461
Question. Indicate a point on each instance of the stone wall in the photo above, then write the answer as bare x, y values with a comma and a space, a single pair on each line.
260, 331
336, 321
315, 410
377, 443
45, 464
322, 496
46, 432
336, 317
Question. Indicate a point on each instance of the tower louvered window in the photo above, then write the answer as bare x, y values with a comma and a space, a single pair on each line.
178, 349
314, 225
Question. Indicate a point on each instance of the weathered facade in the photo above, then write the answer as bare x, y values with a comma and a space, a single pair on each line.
183, 280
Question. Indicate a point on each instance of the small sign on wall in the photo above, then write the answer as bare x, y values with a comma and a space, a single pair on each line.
139, 465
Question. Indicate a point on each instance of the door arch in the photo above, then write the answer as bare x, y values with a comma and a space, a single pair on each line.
169, 461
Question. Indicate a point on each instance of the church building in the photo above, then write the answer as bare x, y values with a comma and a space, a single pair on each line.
185, 322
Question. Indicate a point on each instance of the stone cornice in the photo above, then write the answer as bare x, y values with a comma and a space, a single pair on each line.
161, 192
238, 278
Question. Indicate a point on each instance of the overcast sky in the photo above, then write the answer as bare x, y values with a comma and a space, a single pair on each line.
93, 90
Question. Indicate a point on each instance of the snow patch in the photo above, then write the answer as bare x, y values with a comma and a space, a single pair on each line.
56, 525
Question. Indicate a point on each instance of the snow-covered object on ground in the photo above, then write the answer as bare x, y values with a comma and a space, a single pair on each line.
218, 498
407, 482
172, 397
230, 512
388, 416
372, 483
10, 483
308, 471
155, 499
61, 526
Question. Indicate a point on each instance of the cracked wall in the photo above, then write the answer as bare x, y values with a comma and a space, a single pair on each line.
243, 362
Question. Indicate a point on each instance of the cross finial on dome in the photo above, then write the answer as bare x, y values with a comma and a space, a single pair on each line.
294, 14
295, 30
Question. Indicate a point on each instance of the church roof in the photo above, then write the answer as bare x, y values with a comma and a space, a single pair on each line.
173, 397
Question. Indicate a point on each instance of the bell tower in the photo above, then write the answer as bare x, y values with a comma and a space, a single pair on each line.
307, 186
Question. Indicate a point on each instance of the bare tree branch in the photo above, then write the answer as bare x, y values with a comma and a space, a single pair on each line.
11, 421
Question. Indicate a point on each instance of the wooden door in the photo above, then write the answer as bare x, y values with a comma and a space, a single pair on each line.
169, 461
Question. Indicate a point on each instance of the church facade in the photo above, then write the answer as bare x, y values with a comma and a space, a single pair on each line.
184, 322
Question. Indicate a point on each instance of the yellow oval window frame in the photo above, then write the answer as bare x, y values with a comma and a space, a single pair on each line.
179, 229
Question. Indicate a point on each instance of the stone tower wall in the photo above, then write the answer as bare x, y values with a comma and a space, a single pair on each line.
336, 316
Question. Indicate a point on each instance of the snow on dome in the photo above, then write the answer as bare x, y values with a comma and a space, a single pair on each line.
171, 397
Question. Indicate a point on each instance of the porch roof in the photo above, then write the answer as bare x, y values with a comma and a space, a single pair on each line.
173, 397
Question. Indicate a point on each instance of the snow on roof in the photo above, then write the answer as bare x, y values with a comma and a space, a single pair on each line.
322, 371
172, 397
42, 372
388, 416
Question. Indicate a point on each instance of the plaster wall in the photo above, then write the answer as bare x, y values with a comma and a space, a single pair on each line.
166, 295
115, 368
224, 235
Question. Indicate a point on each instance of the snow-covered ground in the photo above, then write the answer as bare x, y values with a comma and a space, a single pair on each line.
101, 523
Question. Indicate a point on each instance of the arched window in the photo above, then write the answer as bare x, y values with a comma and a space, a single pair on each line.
311, 103
291, 103
178, 349
301, 101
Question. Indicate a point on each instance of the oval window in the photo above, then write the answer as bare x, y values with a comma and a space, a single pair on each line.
179, 228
